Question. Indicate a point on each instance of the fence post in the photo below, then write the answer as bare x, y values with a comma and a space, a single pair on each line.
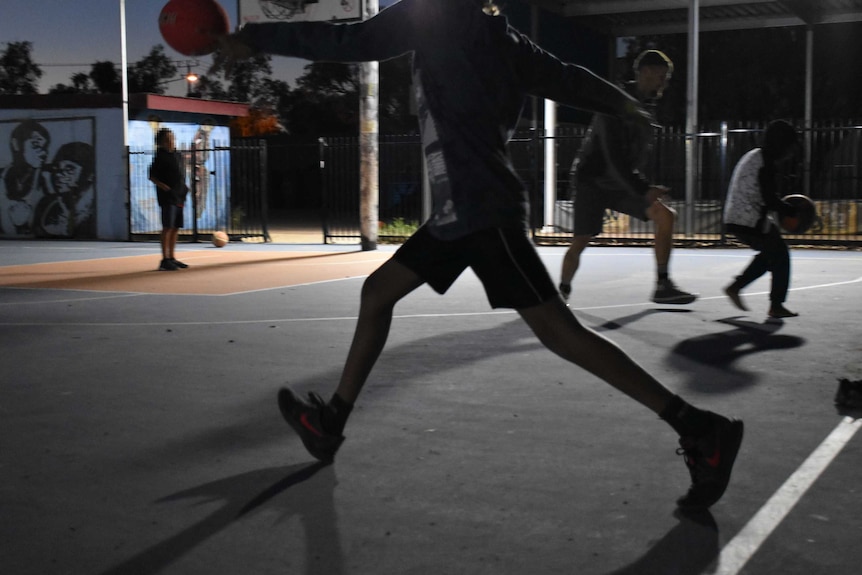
194, 178
264, 188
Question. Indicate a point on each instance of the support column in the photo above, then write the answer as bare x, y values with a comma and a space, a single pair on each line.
809, 96
691, 114
369, 186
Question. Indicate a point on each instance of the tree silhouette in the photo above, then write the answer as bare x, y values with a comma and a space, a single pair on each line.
151, 73
18, 73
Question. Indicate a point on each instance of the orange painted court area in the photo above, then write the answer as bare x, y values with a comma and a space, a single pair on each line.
210, 272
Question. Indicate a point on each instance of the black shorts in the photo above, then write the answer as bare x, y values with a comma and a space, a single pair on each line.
172, 217
504, 260
591, 201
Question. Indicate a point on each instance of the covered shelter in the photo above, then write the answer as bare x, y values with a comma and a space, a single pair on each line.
623, 18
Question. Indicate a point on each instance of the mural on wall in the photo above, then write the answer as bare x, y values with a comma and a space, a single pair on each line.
48, 178
210, 211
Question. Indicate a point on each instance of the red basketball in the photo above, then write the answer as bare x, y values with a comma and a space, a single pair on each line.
192, 27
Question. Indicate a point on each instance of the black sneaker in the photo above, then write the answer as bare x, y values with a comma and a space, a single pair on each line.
710, 460
565, 291
667, 292
168, 266
179, 264
778, 311
305, 419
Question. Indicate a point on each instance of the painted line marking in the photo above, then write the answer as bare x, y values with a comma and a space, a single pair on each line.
311, 319
745, 544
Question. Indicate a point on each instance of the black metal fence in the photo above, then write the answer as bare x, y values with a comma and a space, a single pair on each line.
228, 192
400, 176
831, 175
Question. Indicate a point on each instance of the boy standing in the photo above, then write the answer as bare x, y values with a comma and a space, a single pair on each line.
168, 173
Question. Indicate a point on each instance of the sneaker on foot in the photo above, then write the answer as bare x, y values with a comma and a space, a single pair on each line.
565, 291
710, 460
305, 418
179, 264
778, 311
667, 292
733, 294
167, 266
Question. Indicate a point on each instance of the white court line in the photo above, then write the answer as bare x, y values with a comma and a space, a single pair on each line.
741, 548
311, 319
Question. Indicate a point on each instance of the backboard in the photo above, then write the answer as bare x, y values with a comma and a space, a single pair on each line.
299, 10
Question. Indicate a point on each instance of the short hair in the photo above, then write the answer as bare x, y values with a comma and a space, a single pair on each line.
162, 135
653, 58
80, 153
23, 131
779, 139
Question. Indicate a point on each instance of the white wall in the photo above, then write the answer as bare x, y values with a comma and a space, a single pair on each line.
110, 166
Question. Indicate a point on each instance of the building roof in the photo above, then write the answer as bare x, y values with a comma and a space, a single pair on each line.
641, 17
139, 102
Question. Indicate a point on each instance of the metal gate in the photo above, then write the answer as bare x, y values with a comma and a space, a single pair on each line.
228, 193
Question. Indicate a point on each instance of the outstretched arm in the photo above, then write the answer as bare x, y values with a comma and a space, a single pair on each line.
382, 37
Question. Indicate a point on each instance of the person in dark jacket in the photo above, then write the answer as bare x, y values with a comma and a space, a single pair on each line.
609, 172
752, 194
472, 74
168, 173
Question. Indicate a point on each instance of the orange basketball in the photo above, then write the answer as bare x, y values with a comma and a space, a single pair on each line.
220, 239
192, 27
806, 214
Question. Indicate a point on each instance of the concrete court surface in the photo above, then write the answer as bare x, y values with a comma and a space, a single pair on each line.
139, 432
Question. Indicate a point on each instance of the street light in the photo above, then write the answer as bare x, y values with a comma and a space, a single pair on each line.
191, 80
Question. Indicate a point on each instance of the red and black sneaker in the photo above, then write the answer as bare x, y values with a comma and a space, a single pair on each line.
305, 418
709, 459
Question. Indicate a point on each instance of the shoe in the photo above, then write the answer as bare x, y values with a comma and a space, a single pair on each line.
710, 460
733, 294
565, 291
167, 266
179, 264
667, 292
305, 418
778, 311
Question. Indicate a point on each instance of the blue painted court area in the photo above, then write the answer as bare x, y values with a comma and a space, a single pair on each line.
140, 433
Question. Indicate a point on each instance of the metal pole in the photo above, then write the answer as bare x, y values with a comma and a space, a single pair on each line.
809, 83
550, 163
691, 115
369, 185
124, 75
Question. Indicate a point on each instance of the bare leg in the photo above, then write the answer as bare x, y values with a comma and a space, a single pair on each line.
171, 243
560, 331
572, 259
380, 292
663, 217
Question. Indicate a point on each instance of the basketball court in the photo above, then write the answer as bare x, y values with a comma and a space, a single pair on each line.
141, 434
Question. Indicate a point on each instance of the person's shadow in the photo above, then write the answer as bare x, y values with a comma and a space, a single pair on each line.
313, 506
721, 350
687, 549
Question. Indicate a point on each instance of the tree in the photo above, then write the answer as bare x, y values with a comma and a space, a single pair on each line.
151, 73
325, 101
80, 85
396, 113
106, 78
246, 78
18, 73
210, 87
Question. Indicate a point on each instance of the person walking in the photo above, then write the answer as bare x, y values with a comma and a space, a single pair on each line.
752, 195
472, 74
609, 173
168, 174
